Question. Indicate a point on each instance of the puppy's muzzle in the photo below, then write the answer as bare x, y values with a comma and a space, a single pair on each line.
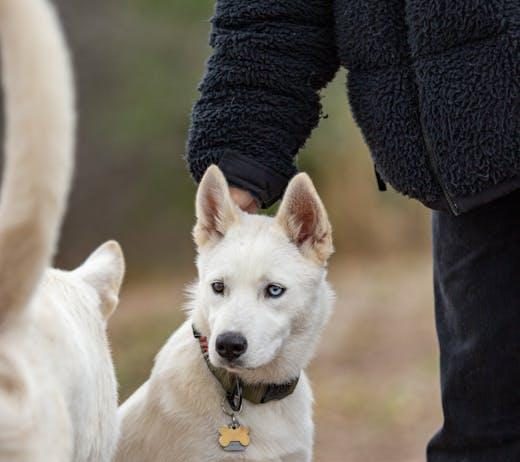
231, 345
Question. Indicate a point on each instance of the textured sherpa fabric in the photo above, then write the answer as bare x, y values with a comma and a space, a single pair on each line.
433, 84
260, 94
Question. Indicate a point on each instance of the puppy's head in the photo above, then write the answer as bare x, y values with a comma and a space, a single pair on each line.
261, 297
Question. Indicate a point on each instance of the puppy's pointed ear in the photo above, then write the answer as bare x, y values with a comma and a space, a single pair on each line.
304, 219
215, 209
104, 271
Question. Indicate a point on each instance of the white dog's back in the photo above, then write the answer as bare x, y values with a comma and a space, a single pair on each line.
57, 385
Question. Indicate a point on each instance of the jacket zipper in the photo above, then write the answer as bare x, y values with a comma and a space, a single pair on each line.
435, 171
433, 163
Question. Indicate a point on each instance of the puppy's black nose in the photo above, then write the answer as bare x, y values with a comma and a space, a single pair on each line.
231, 345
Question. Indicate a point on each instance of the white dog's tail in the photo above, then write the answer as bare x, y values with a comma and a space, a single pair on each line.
39, 146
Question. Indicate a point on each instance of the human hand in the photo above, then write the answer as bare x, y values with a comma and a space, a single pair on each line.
243, 199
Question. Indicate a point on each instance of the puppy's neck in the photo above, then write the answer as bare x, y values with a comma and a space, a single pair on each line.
236, 389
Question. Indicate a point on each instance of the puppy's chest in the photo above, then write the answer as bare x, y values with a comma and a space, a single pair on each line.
270, 437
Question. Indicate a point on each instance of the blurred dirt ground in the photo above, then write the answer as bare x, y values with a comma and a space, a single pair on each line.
375, 376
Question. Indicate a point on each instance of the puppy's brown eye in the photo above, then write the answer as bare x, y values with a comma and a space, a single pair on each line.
218, 287
274, 291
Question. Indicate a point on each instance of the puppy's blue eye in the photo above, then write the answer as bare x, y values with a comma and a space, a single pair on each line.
218, 287
274, 291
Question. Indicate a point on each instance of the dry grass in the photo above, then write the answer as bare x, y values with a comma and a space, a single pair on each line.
376, 373
375, 377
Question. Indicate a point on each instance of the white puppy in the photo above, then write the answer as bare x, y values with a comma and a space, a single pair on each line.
257, 309
58, 398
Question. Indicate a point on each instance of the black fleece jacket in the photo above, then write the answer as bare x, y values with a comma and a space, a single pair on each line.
434, 86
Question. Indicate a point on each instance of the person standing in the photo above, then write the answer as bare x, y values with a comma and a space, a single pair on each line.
435, 89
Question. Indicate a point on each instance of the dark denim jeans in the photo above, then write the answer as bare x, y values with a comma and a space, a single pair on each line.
477, 302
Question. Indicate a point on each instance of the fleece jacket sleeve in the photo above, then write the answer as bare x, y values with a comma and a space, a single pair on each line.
259, 98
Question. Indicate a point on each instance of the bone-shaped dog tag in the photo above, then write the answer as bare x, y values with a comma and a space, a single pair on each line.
234, 438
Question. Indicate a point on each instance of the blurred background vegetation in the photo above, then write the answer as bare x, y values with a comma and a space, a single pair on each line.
138, 63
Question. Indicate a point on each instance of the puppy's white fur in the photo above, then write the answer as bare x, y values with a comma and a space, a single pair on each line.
176, 414
57, 386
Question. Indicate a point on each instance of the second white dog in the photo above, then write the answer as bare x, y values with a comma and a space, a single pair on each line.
229, 385
58, 395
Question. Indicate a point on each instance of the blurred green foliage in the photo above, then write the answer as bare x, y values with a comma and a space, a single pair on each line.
188, 10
